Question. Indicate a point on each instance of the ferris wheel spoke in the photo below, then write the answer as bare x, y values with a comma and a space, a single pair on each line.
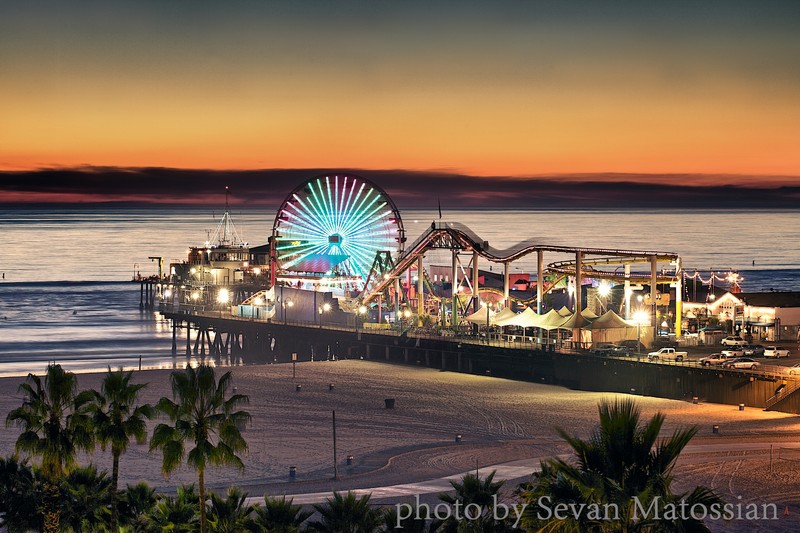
362, 211
310, 211
369, 219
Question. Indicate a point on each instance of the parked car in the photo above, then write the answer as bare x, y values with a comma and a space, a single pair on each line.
733, 352
753, 350
603, 349
794, 369
747, 363
622, 351
635, 346
776, 352
713, 359
667, 354
733, 340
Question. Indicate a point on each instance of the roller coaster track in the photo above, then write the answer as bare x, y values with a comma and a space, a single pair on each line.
455, 236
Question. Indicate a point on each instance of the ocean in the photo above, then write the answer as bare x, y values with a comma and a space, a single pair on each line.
66, 294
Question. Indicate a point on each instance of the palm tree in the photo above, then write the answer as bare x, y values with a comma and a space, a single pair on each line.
117, 419
230, 514
86, 500
622, 461
135, 503
280, 516
18, 495
347, 514
55, 425
472, 490
175, 514
201, 415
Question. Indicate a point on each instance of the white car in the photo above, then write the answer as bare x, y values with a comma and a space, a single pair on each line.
776, 352
742, 363
714, 359
794, 369
733, 352
733, 340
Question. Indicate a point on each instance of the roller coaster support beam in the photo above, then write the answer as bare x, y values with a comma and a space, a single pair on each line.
397, 300
678, 298
576, 332
506, 283
627, 291
653, 302
420, 291
476, 295
539, 280
455, 285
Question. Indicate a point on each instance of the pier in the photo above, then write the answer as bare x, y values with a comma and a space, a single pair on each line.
233, 340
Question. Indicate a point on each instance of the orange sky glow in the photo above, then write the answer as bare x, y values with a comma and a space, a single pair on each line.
525, 92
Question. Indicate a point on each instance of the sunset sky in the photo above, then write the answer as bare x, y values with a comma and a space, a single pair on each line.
510, 88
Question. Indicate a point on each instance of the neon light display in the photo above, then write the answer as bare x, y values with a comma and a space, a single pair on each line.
333, 226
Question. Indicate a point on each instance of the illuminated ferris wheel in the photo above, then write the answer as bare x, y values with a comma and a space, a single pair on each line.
331, 227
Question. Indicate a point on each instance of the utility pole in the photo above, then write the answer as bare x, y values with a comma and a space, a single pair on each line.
335, 464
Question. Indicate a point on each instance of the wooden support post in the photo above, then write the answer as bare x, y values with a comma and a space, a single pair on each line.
188, 339
174, 337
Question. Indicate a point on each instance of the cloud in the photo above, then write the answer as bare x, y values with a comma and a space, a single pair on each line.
409, 189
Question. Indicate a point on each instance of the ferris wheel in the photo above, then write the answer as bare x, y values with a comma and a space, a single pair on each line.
333, 227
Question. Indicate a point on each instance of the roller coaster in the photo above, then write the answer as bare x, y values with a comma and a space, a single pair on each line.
459, 238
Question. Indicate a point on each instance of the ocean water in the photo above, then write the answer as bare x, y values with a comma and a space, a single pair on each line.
66, 293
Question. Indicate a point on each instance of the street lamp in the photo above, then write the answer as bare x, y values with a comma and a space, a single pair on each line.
286, 303
640, 317
604, 289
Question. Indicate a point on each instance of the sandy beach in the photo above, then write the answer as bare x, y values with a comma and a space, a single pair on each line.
499, 421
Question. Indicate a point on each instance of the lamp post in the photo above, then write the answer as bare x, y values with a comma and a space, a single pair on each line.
640, 317
286, 303
223, 297
324, 309
362, 310
258, 301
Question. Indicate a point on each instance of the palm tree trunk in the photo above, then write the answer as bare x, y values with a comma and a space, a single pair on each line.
202, 484
114, 481
51, 519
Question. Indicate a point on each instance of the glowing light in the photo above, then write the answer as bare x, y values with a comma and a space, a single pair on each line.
362, 310
195, 295
326, 307
406, 313
340, 217
167, 293
257, 271
641, 317
224, 296
604, 289
246, 264
193, 270
258, 301
289, 303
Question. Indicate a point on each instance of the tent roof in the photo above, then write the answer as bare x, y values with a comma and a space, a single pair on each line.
550, 320
526, 319
479, 317
611, 320
588, 313
318, 263
574, 321
503, 316
564, 311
